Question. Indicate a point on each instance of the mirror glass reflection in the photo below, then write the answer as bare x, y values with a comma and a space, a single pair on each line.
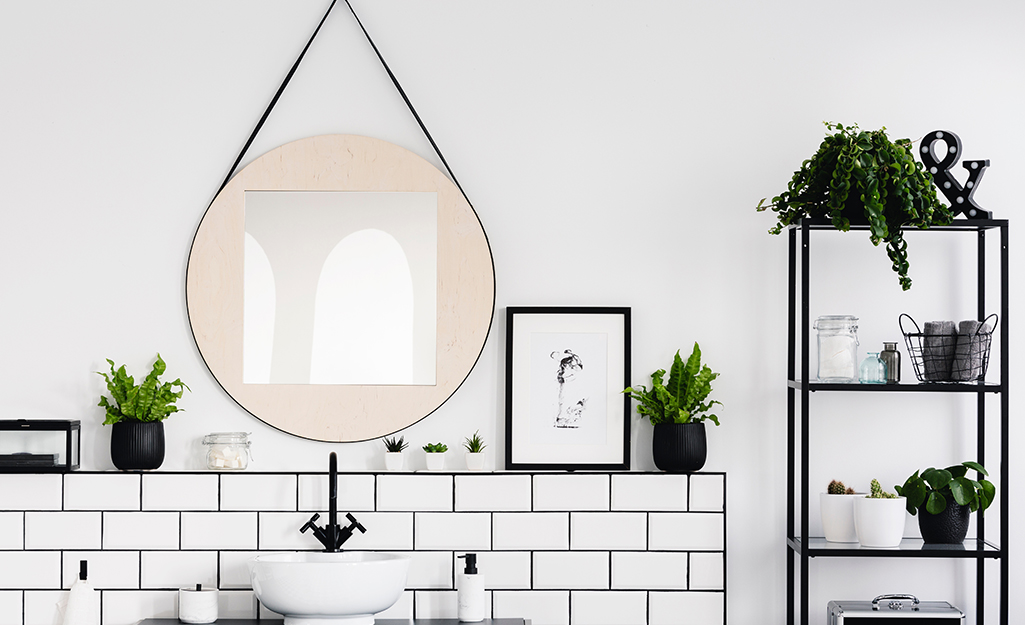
340, 287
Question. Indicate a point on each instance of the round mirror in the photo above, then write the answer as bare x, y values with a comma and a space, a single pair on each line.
340, 288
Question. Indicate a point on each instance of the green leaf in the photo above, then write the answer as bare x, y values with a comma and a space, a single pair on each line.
961, 489
976, 466
936, 503
937, 478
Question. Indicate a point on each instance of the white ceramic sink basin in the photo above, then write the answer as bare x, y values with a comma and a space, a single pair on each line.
317, 588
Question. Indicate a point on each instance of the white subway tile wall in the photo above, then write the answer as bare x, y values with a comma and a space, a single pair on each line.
559, 549
12, 532
571, 492
406, 493
493, 493
180, 492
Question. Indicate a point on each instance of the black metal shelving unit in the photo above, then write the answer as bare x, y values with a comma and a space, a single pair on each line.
801, 547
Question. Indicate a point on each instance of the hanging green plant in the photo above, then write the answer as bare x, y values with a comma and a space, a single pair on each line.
862, 175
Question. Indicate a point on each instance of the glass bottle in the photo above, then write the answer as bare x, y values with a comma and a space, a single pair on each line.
891, 358
873, 370
838, 348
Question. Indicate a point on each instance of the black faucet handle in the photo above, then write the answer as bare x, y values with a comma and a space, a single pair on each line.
309, 524
355, 523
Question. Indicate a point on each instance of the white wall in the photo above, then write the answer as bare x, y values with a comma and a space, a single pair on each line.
614, 152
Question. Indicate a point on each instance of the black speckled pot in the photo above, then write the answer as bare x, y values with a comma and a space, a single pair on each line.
137, 445
679, 447
948, 527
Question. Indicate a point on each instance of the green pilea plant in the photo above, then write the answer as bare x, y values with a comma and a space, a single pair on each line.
935, 487
858, 172
149, 401
875, 491
682, 399
435, 448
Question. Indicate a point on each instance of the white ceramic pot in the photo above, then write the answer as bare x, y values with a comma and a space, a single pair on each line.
435, 461
879, 522
475, 461
393, 460
838, 517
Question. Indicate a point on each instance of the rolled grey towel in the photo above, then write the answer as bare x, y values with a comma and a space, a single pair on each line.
938, 350
969, 350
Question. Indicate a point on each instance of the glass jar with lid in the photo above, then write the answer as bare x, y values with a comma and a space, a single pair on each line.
838, 348
227, 451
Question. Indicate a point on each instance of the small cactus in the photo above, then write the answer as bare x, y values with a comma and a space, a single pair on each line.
876, 491
837, 488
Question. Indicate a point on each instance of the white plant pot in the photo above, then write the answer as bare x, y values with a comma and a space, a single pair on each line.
838, 517
475, 461
435, 461
879, 522
393, 460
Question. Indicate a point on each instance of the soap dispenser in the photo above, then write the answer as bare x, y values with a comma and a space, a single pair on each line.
470, 588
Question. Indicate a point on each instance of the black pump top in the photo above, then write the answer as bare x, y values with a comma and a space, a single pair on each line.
471, 563
83, 569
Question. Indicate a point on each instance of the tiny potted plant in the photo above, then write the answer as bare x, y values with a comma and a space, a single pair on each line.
435, 456
861, 176
474, 452
137, 412
393, 448
678, 410
943, 499
879, 518
837, 508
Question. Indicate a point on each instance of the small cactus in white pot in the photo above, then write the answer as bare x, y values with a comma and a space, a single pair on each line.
393, 448
879, 518
837, 508
474, 452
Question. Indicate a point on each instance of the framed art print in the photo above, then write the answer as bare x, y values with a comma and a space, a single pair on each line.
565, 372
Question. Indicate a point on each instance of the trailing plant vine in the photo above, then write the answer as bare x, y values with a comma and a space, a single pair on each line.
858, 172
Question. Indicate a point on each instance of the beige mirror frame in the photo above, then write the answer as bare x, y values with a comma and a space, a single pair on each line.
331, 412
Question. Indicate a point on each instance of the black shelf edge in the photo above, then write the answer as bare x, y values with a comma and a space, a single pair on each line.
958, 225
971, 549
917, 387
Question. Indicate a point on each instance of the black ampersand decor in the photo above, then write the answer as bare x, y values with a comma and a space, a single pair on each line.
960, 197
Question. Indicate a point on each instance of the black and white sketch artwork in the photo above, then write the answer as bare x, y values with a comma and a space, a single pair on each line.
569, 387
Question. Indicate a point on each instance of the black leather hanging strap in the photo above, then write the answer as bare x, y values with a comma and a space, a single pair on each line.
274, 100
291, 72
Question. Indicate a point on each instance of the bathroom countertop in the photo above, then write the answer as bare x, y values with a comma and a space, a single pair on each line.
376, 622
419, 621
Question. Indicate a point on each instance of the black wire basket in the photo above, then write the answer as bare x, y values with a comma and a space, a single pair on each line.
949, 356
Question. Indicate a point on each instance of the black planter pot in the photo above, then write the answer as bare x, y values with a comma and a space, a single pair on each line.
137, 445
679, 447
948, 527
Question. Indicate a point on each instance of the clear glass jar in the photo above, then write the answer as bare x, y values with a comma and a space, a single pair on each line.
227, 451
872, 370
838, 348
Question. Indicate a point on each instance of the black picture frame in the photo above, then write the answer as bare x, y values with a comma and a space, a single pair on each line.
536, 381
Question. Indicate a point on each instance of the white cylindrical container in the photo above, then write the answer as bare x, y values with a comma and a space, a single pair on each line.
393, 460
838, 348
470, 592
838, 517
879, 522
435, 461
197, 605
475, 461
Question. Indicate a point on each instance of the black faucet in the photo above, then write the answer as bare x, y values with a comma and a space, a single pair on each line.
333, 536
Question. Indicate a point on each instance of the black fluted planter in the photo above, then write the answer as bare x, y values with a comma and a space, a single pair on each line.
679, 447
948, 527
137, 445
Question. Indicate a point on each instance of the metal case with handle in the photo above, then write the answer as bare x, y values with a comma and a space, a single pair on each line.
888, 608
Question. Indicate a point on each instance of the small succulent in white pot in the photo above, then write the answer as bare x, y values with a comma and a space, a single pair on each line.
879, 518
393, 448
435, 453
837, 508
474, 452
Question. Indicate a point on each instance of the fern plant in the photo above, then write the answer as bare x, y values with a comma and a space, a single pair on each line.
858, 172
683, 398
149, 401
